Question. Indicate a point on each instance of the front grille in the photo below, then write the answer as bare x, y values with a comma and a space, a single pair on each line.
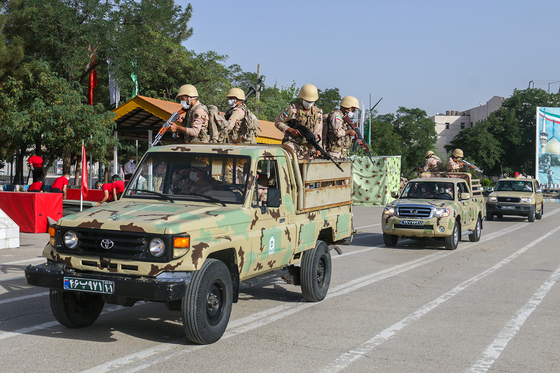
414, 212
509, 199
126, 245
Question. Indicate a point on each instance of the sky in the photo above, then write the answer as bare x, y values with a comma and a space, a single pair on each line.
427, 54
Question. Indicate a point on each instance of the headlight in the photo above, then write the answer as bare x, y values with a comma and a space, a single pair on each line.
442, 213
70, 239
389, 211
527, 200
492, 199
157, 247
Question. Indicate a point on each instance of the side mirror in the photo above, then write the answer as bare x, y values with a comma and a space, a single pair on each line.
274, 197
490, 189
465, 196
395, 194
539, 190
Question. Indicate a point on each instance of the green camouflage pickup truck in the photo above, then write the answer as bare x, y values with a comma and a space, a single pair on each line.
194, 222
441, 208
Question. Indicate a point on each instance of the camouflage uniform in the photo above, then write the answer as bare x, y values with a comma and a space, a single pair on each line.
196, 124
312, 119
453, 166
239, 131
337, 143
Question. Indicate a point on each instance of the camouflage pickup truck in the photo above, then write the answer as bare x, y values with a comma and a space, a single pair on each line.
442, 208
194, 222
521, 197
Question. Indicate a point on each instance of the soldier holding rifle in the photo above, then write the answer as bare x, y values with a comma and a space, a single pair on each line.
195, 118
339, 131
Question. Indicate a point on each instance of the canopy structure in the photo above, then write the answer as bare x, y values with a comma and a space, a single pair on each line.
140, 117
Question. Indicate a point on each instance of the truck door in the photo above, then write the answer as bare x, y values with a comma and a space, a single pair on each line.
468, 212
272, 238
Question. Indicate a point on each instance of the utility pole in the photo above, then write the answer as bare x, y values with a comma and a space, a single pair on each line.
258, 88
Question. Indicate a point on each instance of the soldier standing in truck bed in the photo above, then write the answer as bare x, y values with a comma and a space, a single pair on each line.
310, 116
338, 128
240, 129
195, 119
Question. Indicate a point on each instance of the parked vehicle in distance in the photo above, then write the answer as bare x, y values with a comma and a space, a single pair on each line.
518, 197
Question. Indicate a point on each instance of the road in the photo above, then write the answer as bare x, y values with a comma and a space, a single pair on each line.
490, 306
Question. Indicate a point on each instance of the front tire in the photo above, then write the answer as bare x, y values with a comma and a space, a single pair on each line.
531, 217
475, 236
540, 214
315, 272
489, 216
75, 309
390, 240
207, 302
451, 242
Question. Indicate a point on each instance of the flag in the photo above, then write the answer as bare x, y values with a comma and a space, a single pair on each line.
114, 91
92, 79
84, 172
134, 80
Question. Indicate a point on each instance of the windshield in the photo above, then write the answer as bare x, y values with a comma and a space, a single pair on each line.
429, 190
191, 176
514, 186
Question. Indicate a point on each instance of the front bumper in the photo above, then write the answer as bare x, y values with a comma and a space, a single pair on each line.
509, 208
51, 275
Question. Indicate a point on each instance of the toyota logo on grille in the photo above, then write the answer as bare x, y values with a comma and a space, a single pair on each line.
414, 211
107, 244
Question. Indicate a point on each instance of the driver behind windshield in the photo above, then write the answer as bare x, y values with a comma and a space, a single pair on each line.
195, 179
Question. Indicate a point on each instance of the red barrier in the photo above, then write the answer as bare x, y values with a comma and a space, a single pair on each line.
30, 210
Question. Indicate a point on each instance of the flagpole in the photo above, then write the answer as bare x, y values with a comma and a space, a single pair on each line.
81, 185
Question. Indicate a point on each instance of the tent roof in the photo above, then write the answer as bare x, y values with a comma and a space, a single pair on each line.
140, 114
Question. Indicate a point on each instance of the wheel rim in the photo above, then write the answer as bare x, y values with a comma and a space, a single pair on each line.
478, 229
321, 270
214, 303
85, 301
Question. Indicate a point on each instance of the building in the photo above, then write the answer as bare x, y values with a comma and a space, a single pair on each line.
449, 125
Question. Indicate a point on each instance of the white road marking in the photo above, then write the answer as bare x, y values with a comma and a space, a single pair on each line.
349, 357
494, 350
37, 259
17, 299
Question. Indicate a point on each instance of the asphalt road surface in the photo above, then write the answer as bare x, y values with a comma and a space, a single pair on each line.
489, 306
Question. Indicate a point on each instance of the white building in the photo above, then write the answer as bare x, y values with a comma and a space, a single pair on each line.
449, 125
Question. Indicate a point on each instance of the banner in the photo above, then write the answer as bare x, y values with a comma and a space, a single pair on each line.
373, 183
548, 145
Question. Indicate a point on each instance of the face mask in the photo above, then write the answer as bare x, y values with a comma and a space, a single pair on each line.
194, 176
185, 105
350, 115
231, 102
307, 105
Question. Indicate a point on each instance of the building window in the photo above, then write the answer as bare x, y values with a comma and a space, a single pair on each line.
463, 125
472, 125
446, 126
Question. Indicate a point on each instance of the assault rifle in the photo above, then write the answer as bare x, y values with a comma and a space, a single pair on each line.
252, 90
472, 166
310, 137
361, 138
166, 126
420, 166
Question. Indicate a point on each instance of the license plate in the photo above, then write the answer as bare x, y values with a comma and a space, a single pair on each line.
412, 222
89, 285
508, 207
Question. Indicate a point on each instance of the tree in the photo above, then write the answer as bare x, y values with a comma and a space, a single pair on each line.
385, 139
418, 135
40, 110
505, 142
329, 100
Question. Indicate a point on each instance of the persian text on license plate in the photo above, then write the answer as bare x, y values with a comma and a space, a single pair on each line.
508, 207
412, 222
89, 285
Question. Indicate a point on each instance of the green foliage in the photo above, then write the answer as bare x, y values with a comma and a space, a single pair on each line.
505, 142
329, 100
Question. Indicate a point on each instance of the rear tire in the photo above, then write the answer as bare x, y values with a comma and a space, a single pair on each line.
390, 240
451, 242
75, 309
315, 272
475, 236
207, 302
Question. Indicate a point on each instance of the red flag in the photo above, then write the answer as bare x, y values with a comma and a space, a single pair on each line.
84, 172
92, 79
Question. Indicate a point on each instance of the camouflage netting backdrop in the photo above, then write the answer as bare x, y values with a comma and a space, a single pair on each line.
373, 184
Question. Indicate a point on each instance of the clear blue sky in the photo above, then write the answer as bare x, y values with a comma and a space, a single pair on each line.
432, 55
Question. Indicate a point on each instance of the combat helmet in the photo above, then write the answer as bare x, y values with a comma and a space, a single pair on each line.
188, 90
429, 153
350, 102
458, 153
309, 93
236, 93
